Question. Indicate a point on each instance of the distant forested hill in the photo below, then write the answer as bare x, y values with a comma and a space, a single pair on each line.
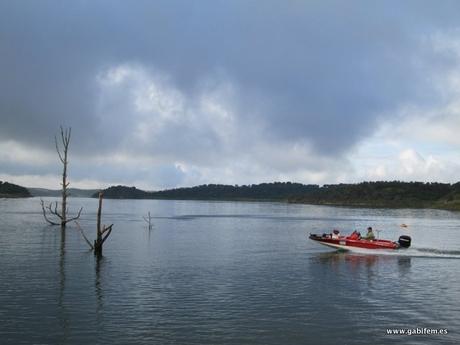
123, 192
367, 194
264, 191
73, 192
386, 194
9, 190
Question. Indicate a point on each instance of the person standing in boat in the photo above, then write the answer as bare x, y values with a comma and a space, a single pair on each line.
370, 234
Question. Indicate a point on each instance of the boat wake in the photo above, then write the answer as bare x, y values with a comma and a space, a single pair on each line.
438, 252
412, 252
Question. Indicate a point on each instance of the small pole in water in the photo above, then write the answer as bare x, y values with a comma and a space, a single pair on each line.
149, 221
378, 233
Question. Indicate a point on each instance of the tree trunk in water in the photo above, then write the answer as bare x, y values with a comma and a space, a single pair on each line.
63, 157
98, 241
149, 221
65, 139
107, 230
102, 233
64, 190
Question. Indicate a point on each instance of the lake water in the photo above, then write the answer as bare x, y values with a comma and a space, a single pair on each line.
225, 273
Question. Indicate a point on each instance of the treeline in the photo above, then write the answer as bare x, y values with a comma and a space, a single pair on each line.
10, 190
123, 192
263, 191
387, 194
72, 192
366, 194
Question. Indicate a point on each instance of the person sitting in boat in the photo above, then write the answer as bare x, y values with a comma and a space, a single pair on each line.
355, 235
335, 234
370, 234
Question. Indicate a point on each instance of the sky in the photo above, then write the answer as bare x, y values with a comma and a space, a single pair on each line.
164, 94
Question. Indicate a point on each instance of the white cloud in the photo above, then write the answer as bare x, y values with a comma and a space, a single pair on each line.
422, 142
417, 147
165, 136
18, 153
164, 105
203, 135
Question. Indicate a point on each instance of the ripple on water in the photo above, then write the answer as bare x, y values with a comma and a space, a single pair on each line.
223, 273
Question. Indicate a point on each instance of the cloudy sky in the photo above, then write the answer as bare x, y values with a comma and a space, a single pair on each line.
162, 94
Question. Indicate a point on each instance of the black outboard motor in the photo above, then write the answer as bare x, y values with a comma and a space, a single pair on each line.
404, 241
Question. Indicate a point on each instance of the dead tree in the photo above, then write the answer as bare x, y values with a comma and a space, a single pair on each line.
102, 233
62, 151
149, 221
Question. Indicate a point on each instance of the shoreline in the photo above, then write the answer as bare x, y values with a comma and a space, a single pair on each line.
282, 201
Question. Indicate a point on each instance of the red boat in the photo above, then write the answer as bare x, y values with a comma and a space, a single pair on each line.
334, 240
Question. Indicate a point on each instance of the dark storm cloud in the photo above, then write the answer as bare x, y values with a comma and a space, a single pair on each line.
316, 72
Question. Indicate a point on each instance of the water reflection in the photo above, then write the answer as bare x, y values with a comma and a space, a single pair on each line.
358, 259
99, 264
404, 265
362, 262
355, 260
219, 280
64, 320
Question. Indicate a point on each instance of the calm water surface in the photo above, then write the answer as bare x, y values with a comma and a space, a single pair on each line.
225, 273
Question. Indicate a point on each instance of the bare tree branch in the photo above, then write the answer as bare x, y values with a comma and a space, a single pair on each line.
106, 228
148, 221
55, 211
108, 234
62, 149
44, 213
84, 236
76, 217
58, 150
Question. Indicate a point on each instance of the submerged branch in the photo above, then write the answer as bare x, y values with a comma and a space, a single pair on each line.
76, 217
44, 213
109, 229
84, 236
55, 211
148, 221
106, 229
